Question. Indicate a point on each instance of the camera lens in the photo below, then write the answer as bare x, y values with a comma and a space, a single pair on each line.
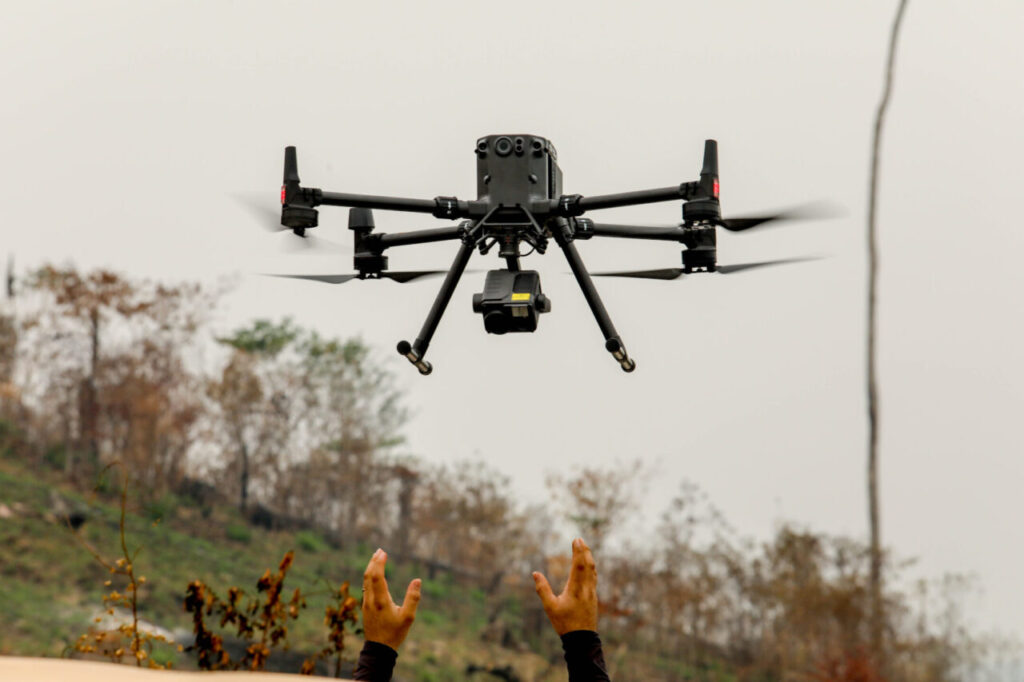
495, 322
503, 146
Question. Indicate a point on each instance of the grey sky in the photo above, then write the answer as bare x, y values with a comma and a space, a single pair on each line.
127, 126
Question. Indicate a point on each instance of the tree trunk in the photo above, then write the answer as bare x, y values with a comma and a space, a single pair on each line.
877, 605
243, 482
89, 404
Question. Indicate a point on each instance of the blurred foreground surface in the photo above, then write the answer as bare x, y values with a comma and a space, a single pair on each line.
16, 669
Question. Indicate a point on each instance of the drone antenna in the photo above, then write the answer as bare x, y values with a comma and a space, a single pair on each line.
709, 173
297, 212
291, 166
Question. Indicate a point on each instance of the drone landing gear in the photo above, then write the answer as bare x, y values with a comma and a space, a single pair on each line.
414, 352
612, 342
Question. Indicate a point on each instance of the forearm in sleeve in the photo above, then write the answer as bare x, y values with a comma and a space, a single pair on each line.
584, 657
376, 663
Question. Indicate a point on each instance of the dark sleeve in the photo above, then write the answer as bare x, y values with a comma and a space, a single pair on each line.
583, 656
376, 662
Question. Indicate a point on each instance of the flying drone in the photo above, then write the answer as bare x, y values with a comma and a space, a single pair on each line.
519, 201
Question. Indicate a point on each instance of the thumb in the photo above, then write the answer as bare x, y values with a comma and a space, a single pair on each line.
412, 599
547, 597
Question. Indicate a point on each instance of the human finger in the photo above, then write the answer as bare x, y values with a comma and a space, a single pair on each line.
590, 566
543, 587
411, 601
375, 587
578, 573
368, 584
382, 593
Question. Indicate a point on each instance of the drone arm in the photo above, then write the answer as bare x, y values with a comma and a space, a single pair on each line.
371, 201
439, 234
440, 207
574, 205
587, 228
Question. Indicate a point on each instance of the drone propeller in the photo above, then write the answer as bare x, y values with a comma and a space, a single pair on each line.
675, 273
400, 276
269, 218
664, 273
814, 211
810, 211
740, 267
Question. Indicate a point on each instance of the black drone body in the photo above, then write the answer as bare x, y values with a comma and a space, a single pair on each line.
519, 200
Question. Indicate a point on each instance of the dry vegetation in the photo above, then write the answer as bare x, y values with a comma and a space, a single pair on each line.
297, 434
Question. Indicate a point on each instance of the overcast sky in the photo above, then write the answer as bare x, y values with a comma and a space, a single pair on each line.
128, 127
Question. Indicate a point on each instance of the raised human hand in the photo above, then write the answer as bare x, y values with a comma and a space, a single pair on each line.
576, 607
384, 621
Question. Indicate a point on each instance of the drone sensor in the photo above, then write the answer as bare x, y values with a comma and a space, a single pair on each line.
511, 301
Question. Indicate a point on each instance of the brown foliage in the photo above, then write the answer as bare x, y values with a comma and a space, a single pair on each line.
261, 623
103, 356
464, 516
850, 667
339, 616
596, 500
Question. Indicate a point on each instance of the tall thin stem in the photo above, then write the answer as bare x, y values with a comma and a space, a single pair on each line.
877, 606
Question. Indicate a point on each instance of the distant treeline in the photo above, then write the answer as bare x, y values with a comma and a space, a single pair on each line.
302, 431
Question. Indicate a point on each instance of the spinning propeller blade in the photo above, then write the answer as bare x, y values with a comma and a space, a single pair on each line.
740, 267
268, 216
329, 279
664, 273
816, 211
674, 273
409, 275
812, 211
400, 276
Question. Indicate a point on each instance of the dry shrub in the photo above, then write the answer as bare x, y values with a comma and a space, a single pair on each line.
261, 622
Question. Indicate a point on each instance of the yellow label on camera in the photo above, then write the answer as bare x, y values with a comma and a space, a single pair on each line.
520, 297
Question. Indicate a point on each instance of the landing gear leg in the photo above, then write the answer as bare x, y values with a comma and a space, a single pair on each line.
613, 344
414, 352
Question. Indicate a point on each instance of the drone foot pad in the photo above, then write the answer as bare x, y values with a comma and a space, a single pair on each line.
406, 349
618, 351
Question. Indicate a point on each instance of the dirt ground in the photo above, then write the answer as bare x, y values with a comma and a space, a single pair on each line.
16, 669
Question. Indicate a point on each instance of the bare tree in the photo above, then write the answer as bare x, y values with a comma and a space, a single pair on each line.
877, 615
596, 500
465, 517
106, 349
254, 409
350, 416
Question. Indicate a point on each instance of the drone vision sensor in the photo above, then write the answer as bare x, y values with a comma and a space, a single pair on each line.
519, 201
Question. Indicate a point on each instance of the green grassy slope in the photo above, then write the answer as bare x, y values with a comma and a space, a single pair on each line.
52, 587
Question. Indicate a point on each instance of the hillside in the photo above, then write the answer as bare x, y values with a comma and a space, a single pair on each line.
53, 587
